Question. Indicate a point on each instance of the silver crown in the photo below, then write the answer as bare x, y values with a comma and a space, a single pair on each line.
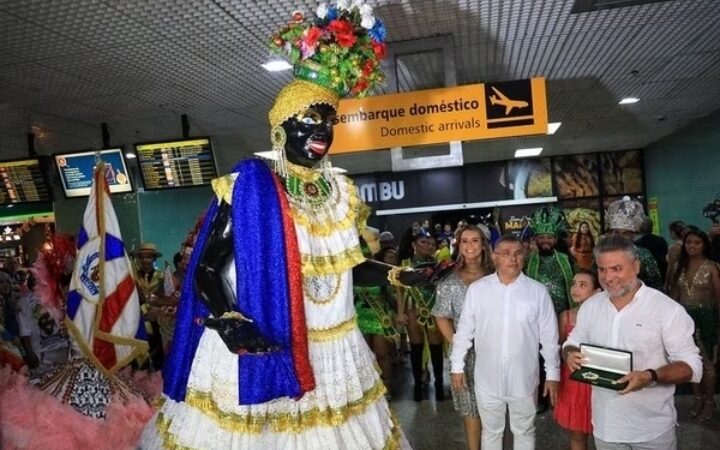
625, 214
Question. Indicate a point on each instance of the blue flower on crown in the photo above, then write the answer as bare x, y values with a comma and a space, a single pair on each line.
332, 13
377, 32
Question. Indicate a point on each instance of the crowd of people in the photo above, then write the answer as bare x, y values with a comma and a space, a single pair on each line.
500, 298
505, 296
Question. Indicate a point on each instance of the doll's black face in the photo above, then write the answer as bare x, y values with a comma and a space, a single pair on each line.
309, 135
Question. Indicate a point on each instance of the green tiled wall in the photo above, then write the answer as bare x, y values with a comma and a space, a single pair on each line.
166, 217
69, 216
683, 172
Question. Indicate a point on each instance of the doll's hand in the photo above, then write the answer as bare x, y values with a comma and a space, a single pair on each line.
239, 334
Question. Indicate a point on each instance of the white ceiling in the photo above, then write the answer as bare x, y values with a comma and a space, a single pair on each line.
68, 65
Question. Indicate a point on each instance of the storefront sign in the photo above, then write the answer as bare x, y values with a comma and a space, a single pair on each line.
462, 113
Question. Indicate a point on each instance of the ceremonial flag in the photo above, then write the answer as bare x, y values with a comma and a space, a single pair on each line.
103, 308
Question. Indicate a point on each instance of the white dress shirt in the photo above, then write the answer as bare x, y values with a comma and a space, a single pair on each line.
507, 323
657, 331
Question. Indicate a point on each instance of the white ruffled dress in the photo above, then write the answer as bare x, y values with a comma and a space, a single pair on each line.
346, 410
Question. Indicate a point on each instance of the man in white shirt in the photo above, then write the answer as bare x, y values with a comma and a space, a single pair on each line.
628, 315
507, 315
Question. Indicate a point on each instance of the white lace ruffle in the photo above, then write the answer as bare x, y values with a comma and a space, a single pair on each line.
345, 374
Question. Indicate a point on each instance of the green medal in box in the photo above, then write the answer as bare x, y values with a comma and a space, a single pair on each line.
603, 366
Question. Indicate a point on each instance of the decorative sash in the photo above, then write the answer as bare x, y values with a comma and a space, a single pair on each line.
376, 304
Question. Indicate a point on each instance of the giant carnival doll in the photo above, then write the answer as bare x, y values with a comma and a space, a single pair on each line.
267, 352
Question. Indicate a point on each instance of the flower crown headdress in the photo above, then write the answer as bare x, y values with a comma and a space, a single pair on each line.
340, 48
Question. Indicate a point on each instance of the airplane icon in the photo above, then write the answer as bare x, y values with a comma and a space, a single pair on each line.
501, 99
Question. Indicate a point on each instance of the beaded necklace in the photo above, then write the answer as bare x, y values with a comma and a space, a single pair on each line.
307, 187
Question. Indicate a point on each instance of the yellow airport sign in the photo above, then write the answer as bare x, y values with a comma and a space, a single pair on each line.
433, 116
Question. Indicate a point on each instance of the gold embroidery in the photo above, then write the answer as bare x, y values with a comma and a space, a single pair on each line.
331, 264
319, 300
357, 213
297, 97
169, 439
333, 333
223, 187
393, 441
282, 422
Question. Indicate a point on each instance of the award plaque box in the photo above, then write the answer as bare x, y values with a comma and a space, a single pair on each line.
603, 366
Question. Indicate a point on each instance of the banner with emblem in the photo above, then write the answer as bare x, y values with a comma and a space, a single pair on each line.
103, 308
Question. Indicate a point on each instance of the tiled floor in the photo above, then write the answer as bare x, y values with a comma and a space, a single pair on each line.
429, 425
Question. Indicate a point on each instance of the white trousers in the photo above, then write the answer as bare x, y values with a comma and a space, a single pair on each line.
492, 411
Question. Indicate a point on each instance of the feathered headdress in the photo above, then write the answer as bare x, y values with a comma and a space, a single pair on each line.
548, 220
52, 269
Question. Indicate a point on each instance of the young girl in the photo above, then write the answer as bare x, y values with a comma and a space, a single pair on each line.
572, 410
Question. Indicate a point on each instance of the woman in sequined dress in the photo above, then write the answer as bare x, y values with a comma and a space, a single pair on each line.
694, 281
474, 263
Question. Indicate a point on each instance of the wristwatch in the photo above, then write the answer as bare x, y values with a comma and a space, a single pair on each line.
653, 375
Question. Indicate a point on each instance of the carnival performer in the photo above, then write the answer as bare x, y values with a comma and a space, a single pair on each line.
552, 268
624, 217
267, 352
85, 403
150, 284
376, 308
10, 355
694, 281
421, 327
547, 265
44, 341
474, 263
572, 410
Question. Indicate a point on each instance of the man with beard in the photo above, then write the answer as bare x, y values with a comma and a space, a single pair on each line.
550, 267
631, 316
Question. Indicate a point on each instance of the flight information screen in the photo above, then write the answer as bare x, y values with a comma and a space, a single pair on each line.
176, 164
76, 171
22, 181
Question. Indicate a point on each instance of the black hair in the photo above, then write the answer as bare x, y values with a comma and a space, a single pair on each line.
177, 259
684, 258
676, 227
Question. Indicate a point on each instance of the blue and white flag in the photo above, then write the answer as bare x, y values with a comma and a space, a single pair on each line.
103, 308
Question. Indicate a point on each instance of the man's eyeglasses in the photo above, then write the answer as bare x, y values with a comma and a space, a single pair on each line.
507, 255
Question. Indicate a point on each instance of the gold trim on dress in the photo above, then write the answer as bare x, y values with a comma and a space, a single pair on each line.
223, 187
282, 422
169, 439
331, 264
333, 333
393, 441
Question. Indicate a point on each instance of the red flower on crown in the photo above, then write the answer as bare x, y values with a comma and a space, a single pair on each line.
343, 31
312, 36
360, 86
379, 48
368, 67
